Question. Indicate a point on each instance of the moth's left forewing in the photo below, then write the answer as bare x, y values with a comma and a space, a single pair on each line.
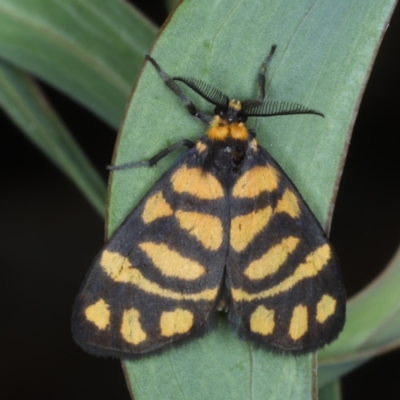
283, 274
158, 279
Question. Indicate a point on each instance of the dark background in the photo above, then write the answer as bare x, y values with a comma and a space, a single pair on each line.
50, 235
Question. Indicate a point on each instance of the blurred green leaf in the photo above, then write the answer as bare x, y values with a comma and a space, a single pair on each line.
325, 51
26, 105
170, 4
91, 50
330, 392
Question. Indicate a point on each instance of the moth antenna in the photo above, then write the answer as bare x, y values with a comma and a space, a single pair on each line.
275, 108
208, 92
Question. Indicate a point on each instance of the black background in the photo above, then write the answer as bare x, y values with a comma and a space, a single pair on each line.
50, 235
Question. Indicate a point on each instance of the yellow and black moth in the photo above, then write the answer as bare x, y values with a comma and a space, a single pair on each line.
223, 229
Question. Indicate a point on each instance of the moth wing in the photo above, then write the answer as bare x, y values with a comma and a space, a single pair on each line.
158, 279
283, 275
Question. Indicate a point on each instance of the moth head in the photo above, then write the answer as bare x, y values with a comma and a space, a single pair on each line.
231, 114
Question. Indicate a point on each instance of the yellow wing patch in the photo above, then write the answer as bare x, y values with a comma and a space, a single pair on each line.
245, 227
119, 269
325, 308
175, 322
99, 314
207, 229
131, 328
156, 207
288, 204
196, 182
299, 322
272, 260
262, 321
314, 263
171, 263
255, 181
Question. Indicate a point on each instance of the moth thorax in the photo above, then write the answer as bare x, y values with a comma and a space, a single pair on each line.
221, 130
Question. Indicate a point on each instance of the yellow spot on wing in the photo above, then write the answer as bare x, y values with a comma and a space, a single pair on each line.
171, 263
325, 308
196, 182
314, 263
205, 228
245, 227
176, 322
131, 328
262, 321
99, 314
272, 260
288, 204
120, 270
156, 207
299, 322
255, 181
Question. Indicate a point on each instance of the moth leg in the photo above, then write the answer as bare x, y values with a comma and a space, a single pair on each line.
261, 74
261, 81
153, 160
202, 116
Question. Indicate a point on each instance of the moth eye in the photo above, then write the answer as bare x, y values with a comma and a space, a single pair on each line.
219, 111
241, 117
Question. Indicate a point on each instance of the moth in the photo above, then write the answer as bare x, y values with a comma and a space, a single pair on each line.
224, 229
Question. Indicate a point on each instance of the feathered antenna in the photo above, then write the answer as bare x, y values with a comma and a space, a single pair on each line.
275, 108
208, 92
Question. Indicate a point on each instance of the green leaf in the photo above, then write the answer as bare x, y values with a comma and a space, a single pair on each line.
26, 105
323, 60
89, 50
